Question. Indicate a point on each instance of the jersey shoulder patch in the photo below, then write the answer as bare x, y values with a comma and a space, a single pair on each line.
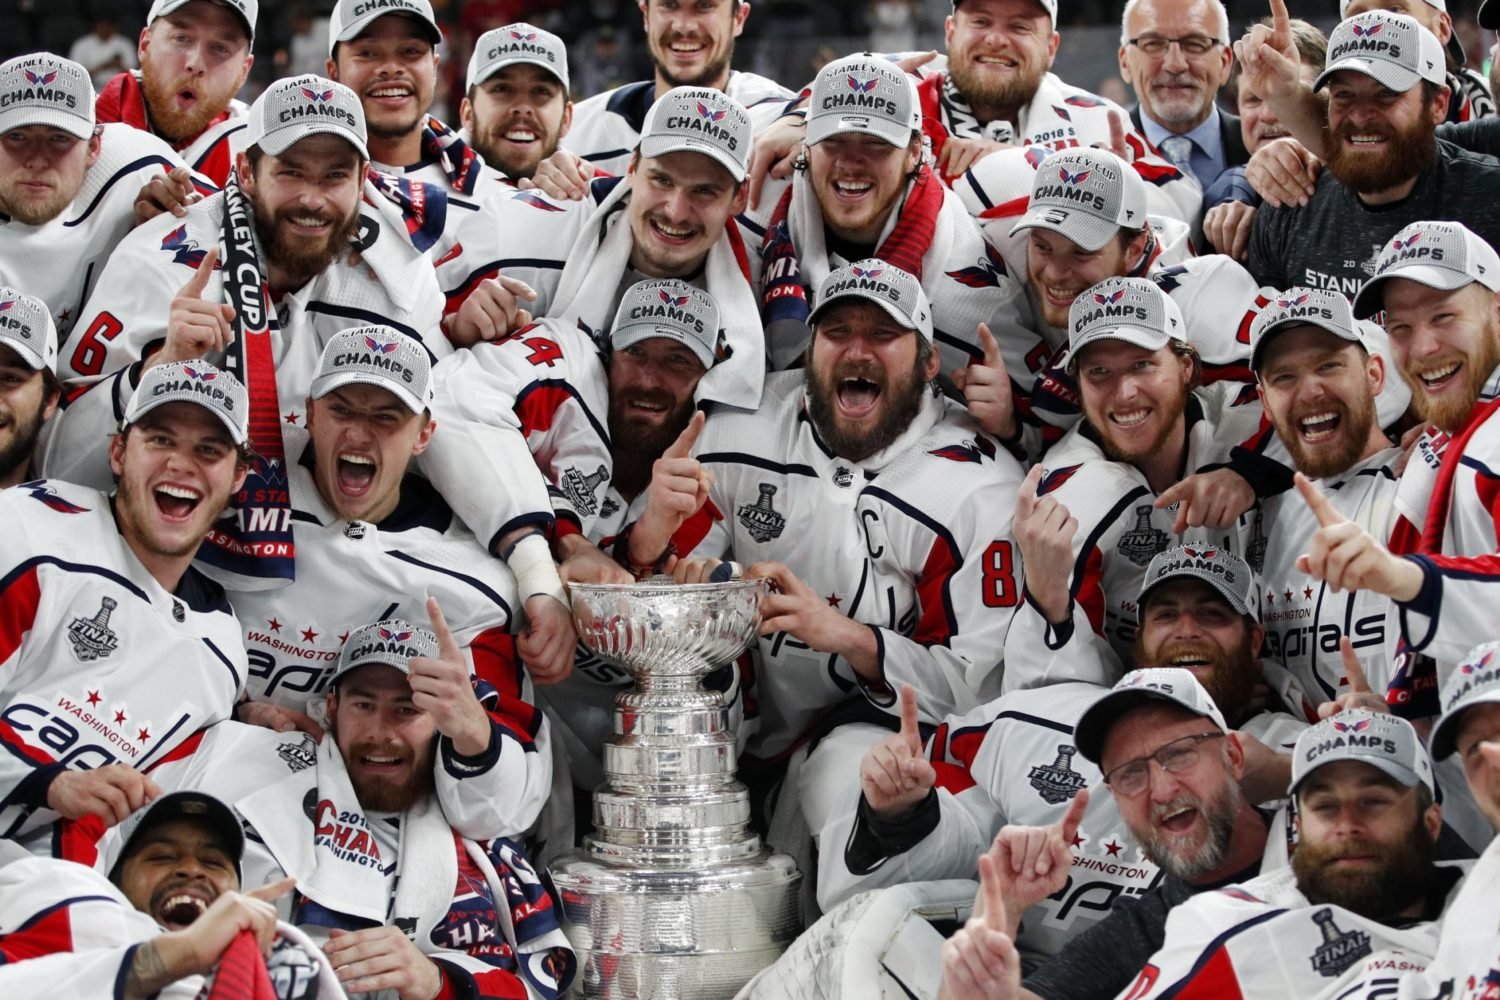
1054, 479
975, 450
43, 493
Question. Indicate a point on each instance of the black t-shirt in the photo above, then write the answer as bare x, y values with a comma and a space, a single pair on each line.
1479, 136
1105, 959
1333, 243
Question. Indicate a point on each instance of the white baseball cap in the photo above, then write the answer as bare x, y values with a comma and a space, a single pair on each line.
246, 10
1298, 306
668, 308
1476, 681
26, 327
43, 89
291, 110
1134, 310
392, 642
699, 120
1170, 684
380, 356
897, 292
350, 18
1050, 6
1214, 565
1455, 44
1383, 741
515, 44
1442, 255
1392, 48
1087, 195
866, 94
214, 389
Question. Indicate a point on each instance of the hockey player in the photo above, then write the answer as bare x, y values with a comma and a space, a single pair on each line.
29, 390
194, 56
1090, 519
517, 107
399, 898
865, 192
169, 913
691, 45
387, 54
67, 187
374, 542
1439, 286
120, 650
881, 515
1318, 380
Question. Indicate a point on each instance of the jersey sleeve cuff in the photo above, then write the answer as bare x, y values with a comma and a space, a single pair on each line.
1419, 616
457, 984
1266, 476
1054, 636
881, 695
460, 767
32, 790
874, 839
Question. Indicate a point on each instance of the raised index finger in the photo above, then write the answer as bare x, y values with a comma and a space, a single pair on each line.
1068, 826
1353, 669
199, 281
1030, 491
994, 895
909, 716
683, 446
1321, 508
1281, 21
447, 645
992, 356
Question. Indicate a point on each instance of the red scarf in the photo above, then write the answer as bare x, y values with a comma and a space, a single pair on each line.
241, 973
1441, 501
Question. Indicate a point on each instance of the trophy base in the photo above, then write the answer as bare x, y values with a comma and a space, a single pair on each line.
676, 934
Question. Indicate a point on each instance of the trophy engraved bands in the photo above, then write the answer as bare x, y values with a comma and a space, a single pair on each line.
672, 896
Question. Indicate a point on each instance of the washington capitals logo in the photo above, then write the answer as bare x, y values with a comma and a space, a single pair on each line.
376, 347
1036, 154
709, 114
1200, 553
183, 250
391, 636
986, 274
535, 201
7, 304
1074, 179
1292, 303
523, 36
1084, 102
873, 272
863, 86
40, 79
1109, 300
1364, 32
677, 301
1469, 668
318, 96
1352, 727
1409, 241
195, 374
1062, 113
975, 451
48, 496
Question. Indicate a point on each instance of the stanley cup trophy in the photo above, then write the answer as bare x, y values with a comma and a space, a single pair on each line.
673, 896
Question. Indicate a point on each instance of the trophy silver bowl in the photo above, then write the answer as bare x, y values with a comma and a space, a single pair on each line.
672, 896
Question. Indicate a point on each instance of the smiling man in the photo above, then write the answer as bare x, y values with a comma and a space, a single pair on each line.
119, 633
517, 108
1472, 98
194, 56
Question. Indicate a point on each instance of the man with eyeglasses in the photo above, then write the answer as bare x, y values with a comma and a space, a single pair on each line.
1176, 55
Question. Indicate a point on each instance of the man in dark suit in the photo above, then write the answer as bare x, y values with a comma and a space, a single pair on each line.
1176, 55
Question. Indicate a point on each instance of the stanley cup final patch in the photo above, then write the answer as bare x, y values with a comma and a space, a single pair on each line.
1057, 782
92, 638
1141, 543
761, 519
581, 490
1339, 949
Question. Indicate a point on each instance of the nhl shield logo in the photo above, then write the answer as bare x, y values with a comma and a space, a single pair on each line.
580, 489
761, 519
843, 477
1141, 543
1340, 949
1057, 782
92, 638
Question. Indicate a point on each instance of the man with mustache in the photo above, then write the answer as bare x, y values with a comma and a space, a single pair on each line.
67, 186
1472, 97
1091, 521
194, 56
122, 649
517, 107
1388, 92
881, 514
29, 389
163, 920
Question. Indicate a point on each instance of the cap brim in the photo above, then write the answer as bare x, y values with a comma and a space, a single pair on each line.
51, 117
879, 300
1443, 742
323, 386
376, 660
1456, 48
1266, 336
1221, 587
1489, 14
495, 67
828, 125
1095, 723
1368, 301
1397, 772
215, 815
168, 8
1387, 74
661, 145
27, 353
1088, 231
1147, 340
275, 145
236, 434
357, 27
635, 333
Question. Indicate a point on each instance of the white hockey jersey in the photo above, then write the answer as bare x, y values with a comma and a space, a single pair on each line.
1013, 761
1467, 963
59, 261
1264, 941
99, 664
607, 127
914, 542
1119, 531
127, 314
